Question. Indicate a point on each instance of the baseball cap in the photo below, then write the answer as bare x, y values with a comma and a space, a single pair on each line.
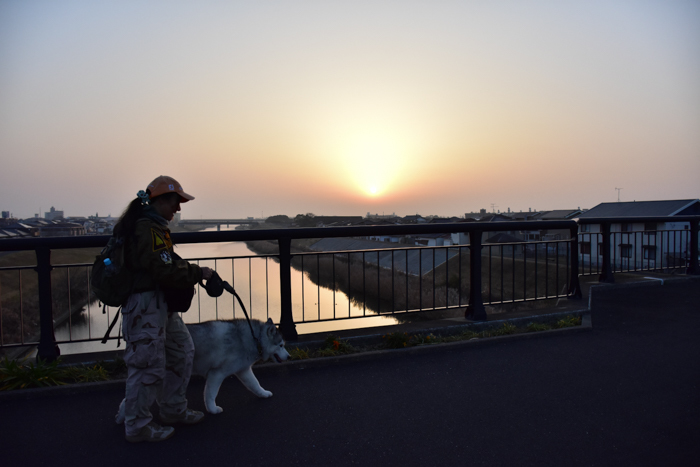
165, 184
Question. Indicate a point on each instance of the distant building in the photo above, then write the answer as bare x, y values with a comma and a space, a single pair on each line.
433, 239
328, 221
53, 214
381, 216
414, 219
62, 229
35, 227
639, 244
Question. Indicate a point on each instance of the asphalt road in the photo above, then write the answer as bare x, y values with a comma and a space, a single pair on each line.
623, 393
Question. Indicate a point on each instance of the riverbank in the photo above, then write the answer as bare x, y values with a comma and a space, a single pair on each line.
446, 286
19, 296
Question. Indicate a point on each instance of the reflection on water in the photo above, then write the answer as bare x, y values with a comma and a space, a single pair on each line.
256, 280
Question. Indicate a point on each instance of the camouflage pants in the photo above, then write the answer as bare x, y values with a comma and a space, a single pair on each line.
158, 355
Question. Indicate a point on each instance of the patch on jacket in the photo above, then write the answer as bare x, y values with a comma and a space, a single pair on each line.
160, 241
165, 256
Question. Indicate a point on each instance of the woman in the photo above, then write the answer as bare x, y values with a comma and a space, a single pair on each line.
159, 349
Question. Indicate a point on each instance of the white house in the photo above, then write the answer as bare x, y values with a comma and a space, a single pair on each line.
639, 245
433, 239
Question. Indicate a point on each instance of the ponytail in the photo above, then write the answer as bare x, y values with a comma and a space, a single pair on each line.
127, 222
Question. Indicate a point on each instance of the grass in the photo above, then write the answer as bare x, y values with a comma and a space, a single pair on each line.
24, 375
334, 346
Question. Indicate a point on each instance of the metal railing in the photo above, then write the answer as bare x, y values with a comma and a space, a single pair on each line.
477, 279
392, 280
628, 250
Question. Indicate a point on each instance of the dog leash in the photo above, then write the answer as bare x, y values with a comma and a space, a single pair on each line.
215, 287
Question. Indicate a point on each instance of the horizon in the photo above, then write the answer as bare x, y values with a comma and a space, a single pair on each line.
262, 109
367, 215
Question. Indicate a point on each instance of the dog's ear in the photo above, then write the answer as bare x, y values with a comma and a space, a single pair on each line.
270, 326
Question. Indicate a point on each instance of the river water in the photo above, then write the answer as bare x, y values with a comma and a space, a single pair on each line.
256, 280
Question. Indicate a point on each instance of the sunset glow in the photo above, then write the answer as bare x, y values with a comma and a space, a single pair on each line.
344, 108
373, 163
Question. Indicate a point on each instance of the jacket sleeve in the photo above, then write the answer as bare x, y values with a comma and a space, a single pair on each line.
153, 254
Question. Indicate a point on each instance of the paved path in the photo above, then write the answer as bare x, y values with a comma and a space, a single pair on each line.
624, 393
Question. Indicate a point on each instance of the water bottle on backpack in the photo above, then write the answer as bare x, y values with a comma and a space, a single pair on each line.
111, 269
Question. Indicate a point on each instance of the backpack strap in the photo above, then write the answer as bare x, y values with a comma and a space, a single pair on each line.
109, 329
114, 320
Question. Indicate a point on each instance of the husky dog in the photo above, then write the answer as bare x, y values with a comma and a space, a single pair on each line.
225, 348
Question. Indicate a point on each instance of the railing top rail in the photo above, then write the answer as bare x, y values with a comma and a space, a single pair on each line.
638, 219
363, 231
295, 233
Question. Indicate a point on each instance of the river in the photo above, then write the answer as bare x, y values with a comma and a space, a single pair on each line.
256, 280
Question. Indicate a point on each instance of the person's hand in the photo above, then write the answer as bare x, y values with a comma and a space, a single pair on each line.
206, 273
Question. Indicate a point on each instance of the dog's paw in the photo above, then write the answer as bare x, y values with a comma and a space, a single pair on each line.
264, 394
215, 410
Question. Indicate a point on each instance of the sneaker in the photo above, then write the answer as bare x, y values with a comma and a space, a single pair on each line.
188, 417
151, 433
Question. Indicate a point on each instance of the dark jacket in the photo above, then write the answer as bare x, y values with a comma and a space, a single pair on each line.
149, 253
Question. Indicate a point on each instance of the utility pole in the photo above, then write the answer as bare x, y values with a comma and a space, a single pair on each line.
618, 194
493, 208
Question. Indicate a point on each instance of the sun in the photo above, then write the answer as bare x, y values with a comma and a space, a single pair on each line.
372, 165
372, 190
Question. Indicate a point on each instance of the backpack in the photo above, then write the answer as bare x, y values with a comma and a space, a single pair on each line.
178, 299
110, 280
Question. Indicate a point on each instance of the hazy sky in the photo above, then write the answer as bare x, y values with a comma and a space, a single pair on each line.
348, 107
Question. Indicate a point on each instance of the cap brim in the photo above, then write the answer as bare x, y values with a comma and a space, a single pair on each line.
184, 197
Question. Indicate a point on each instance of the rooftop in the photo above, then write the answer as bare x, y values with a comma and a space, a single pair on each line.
645, 208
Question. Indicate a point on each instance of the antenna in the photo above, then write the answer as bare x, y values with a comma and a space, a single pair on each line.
618, 194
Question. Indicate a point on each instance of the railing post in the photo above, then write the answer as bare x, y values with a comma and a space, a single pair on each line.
574, 285
47, 349
693, 267
475, 310
606, 275
287, 326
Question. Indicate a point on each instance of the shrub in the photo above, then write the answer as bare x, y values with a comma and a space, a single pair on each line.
14, 375
333, 345
296, 353
504, 330
18, 375
538, 327
568, 322
85, 374
396, 340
